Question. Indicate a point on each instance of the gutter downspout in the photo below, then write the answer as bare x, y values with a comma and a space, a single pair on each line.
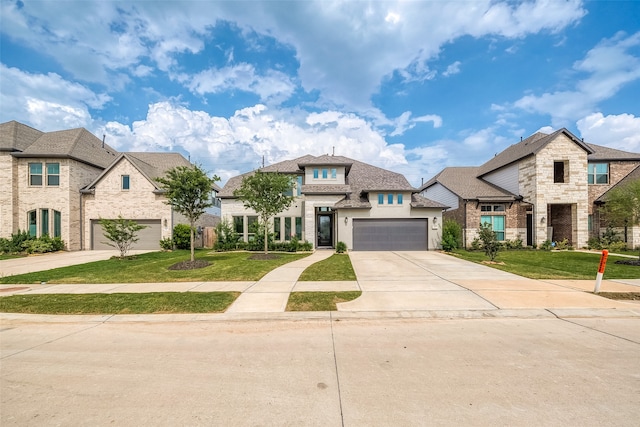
465, 225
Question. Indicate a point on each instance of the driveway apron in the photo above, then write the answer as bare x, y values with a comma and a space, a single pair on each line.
412, 281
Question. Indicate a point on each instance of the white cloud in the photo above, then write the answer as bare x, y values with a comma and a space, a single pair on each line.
271, 85
404, 122
609, 66
616, 131
46, 101
361, 43
237, 144
452, 69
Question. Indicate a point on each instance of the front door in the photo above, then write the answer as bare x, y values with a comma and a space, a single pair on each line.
529, 229
325, 230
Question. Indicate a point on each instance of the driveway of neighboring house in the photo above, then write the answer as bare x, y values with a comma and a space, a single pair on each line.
410, 281
33, 263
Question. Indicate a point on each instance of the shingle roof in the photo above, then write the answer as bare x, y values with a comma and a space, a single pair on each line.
151, 165
634, 175
525, 148
15, 136
78, 144
361, 178
601, 153
418, 201
464, 182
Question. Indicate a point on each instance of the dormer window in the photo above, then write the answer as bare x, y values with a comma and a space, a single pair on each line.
324, 173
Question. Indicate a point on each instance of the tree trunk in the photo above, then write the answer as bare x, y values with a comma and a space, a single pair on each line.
192, 254
266, 235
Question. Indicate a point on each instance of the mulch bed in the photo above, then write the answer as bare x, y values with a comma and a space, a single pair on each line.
190, 265
629, 296
635, 262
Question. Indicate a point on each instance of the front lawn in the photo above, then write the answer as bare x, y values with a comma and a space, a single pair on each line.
319, 301
538, 264
335, 268
154, 267
153, 302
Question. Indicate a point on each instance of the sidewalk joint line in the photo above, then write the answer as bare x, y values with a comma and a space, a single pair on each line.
335, 364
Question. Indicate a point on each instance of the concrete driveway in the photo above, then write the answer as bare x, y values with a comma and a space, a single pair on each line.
32, 263
398, 281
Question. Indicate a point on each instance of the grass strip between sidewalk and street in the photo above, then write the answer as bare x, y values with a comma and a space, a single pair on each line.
118, 303
153, 267
335, 268
319, 301
538, 264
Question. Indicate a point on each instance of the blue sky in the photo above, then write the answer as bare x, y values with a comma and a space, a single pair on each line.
412, 86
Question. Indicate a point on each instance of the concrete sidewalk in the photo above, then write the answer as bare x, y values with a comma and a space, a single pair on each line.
410, 283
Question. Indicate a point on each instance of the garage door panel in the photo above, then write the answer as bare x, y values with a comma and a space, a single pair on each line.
148, 238
390, 234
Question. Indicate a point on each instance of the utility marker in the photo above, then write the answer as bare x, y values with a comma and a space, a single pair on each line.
603, 264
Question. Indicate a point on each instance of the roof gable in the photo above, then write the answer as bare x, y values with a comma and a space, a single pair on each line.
464, 183
601, 153
525, 148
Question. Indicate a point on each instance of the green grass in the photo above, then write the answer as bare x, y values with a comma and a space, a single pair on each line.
319, 301
154, 302
537, 264
154, 267
335, 268
10, 256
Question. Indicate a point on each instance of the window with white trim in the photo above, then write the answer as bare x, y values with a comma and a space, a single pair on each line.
53, 174
497, 222
35, 174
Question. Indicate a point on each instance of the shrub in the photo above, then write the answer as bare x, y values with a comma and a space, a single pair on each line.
182, 236
306, 246
166, 244
562, 245
451, 235
514, 244
546, 245
476, 244
617, 247
226, 237
341, 247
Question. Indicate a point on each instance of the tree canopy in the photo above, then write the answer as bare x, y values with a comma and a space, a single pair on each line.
189, 192
622, 204
266, 193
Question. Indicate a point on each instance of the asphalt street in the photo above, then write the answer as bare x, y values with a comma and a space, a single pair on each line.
319, 370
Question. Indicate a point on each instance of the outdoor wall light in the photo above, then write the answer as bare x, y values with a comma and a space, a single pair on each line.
543, 220
346, 220
435, 219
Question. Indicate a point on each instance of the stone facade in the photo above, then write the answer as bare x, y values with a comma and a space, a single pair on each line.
109, 200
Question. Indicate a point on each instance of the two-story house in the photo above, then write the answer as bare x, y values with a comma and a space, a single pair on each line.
341, 199
62, 183
543, 188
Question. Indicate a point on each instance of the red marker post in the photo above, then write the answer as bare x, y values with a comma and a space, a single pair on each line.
603, 264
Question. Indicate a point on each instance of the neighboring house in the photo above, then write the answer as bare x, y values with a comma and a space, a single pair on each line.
543, 188
341, 199
61, 183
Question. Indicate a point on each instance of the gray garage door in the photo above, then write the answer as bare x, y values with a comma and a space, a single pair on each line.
149, 238
390, 234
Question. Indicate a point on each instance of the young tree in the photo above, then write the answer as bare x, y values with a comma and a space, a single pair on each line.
265, 193
622, 205
122, 233
490, 244
189, 192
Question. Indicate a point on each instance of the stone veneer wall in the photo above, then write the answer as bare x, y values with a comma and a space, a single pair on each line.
139, 202
8, 195
64, 198
538, 188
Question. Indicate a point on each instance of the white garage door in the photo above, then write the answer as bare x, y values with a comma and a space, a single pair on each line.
149, 238
390, 234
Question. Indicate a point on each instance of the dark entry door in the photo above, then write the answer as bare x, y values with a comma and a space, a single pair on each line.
529, 229
325, 230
